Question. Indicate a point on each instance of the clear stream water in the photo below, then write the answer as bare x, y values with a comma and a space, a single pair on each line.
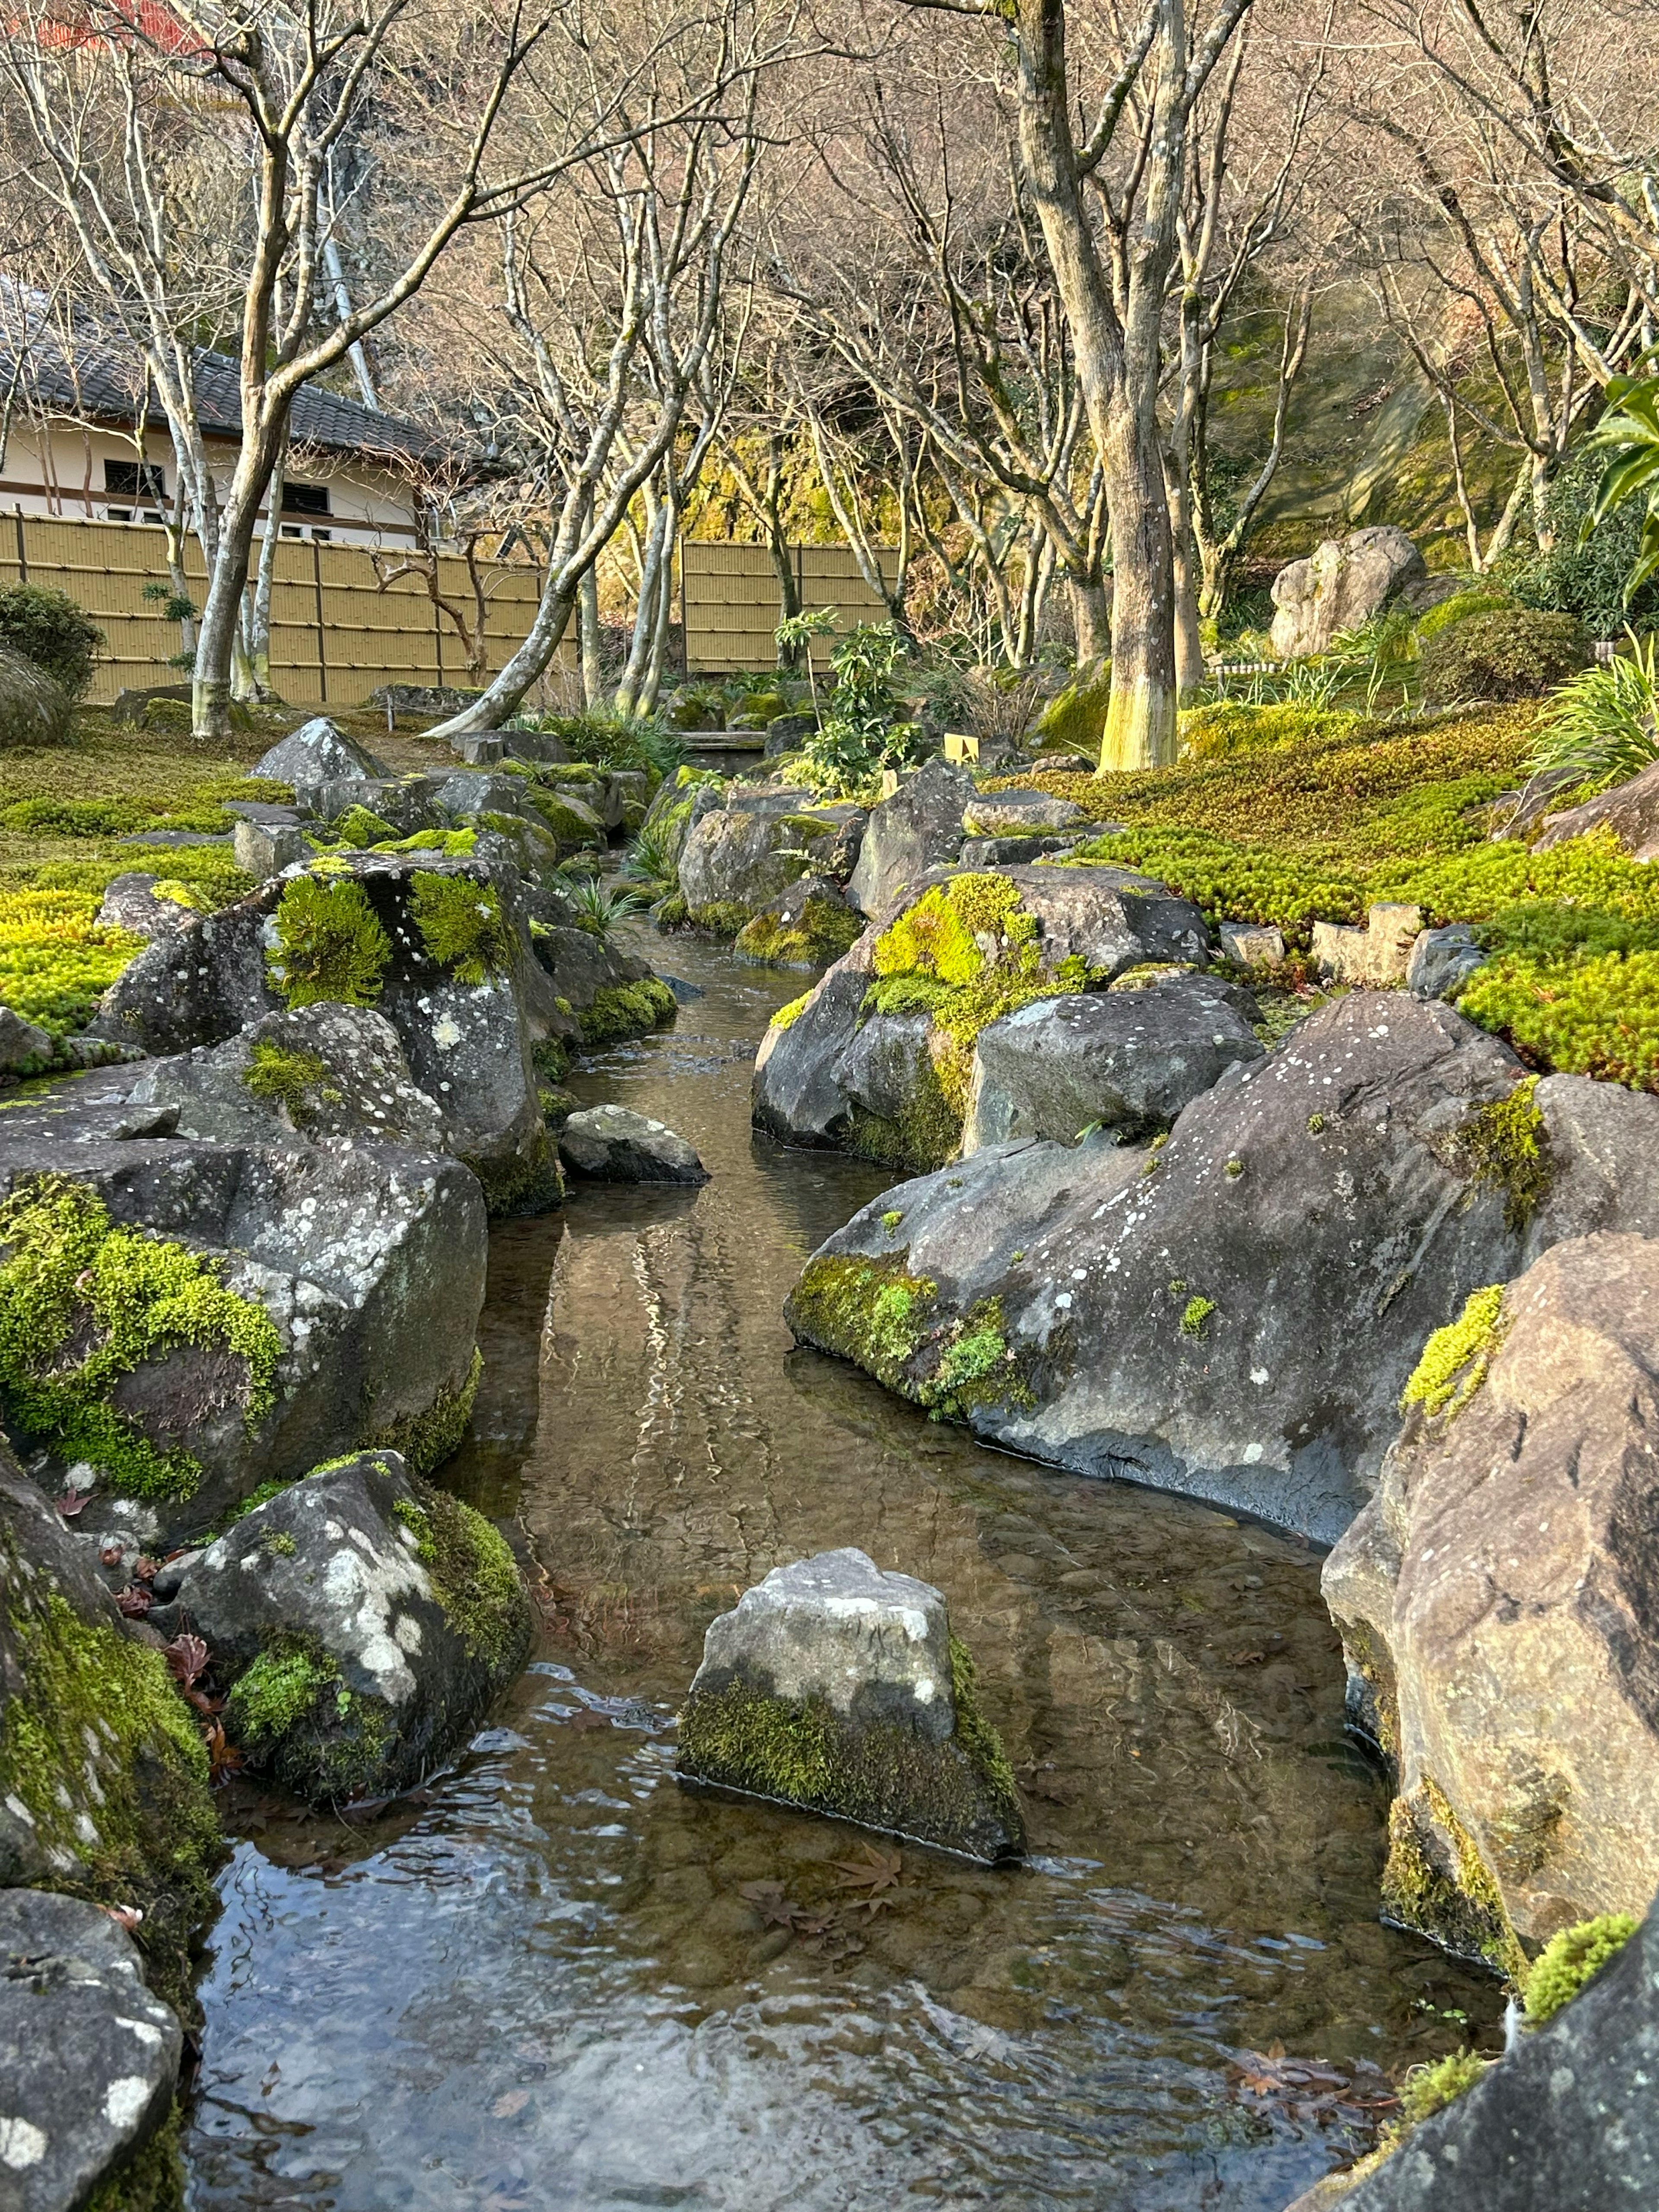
541, 1985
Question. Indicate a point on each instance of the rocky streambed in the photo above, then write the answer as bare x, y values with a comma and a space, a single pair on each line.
563, 1979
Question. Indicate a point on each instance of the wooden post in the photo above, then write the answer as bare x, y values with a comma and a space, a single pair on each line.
322, 649
22, 547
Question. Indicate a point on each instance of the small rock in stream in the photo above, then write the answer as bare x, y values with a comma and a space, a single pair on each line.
612, 1144
838, 1688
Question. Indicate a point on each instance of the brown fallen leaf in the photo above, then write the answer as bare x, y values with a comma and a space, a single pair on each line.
110, 1555
123, 1915
587, 1719
1245, 1658
134, 1600
876, 1870
72, 1502
145, 1570
223, 1758
187, 1655
776, 1910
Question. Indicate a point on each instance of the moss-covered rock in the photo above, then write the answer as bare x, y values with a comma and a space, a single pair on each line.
628, 1010
97, 1748
838, 1688
818, 932
362, 1619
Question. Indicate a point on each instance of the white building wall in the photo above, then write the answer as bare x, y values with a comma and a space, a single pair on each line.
59, 469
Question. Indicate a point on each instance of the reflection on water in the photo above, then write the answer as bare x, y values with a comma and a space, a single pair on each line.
558, 1979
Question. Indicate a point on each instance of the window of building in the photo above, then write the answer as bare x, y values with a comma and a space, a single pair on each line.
132, 480
305, 499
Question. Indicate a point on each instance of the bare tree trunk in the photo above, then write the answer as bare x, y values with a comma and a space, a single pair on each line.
592, 641
645, 614
258, 626
1189, 638
1091, 617
663, 613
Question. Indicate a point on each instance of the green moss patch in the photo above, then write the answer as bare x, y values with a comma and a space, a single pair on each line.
628, 1009
788, 1016
1427, 2090
85, 1303
1572, 1958
875, 1313
461, 926
299, 1082
1455, 1359
722, 918
56, 960
882, 1775
820, 934
1507, 1146
294, 1718
1437, 1882
427, 1440
330, 946
474, 1576
965, 954
91, 1702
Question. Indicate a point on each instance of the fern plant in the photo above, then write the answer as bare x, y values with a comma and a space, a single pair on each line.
1602, 727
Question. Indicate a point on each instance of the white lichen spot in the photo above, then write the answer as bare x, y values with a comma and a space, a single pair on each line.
1261, 1377
146, 2031
21, 2143
124, 2101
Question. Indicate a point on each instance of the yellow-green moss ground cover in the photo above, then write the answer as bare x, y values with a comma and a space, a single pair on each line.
64, 810
1317, 826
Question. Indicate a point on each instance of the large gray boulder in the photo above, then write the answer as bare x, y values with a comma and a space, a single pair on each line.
1125, 1061
442, 948
733, 857
1567, 2122
325, 1071
1498, 1600
319, 751
33, 710
611, 1144
88, 2058
1342, 585
330, 1294
919, 828
837, 1686
362, 1619
1234, 1314
833, 1072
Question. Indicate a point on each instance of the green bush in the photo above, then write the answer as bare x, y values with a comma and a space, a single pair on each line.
1603, 725
1584, 576
1479, 599
1515, 654
48, 629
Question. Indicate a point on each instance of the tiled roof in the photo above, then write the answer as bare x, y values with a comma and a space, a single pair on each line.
101, 381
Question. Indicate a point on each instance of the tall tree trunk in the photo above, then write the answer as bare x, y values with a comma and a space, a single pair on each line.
1091, 617
1118, 360
259, 626
1188, 637
591, 638
644, 614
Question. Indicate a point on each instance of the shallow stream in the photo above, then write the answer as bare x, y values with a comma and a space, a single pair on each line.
542, 1983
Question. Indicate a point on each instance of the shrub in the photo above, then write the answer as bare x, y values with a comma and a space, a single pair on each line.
1516, 653
1584, 576
48, 629
1478, 599
862, 731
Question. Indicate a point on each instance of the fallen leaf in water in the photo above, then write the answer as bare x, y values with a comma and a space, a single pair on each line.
876, 1870
767, 1898
587, 1719
187, 1655
514, 2101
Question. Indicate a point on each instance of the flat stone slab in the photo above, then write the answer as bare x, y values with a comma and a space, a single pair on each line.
836, 1685
612, 1144
88, 2058
1015, 813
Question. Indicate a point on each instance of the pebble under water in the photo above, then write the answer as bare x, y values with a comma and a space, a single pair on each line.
557, 1978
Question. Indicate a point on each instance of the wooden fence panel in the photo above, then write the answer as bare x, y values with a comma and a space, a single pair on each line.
729, 597
336, 634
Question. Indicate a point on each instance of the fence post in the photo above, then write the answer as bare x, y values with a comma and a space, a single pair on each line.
22, 547
322, 649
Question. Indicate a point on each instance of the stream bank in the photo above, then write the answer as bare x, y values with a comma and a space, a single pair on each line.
542, 1983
